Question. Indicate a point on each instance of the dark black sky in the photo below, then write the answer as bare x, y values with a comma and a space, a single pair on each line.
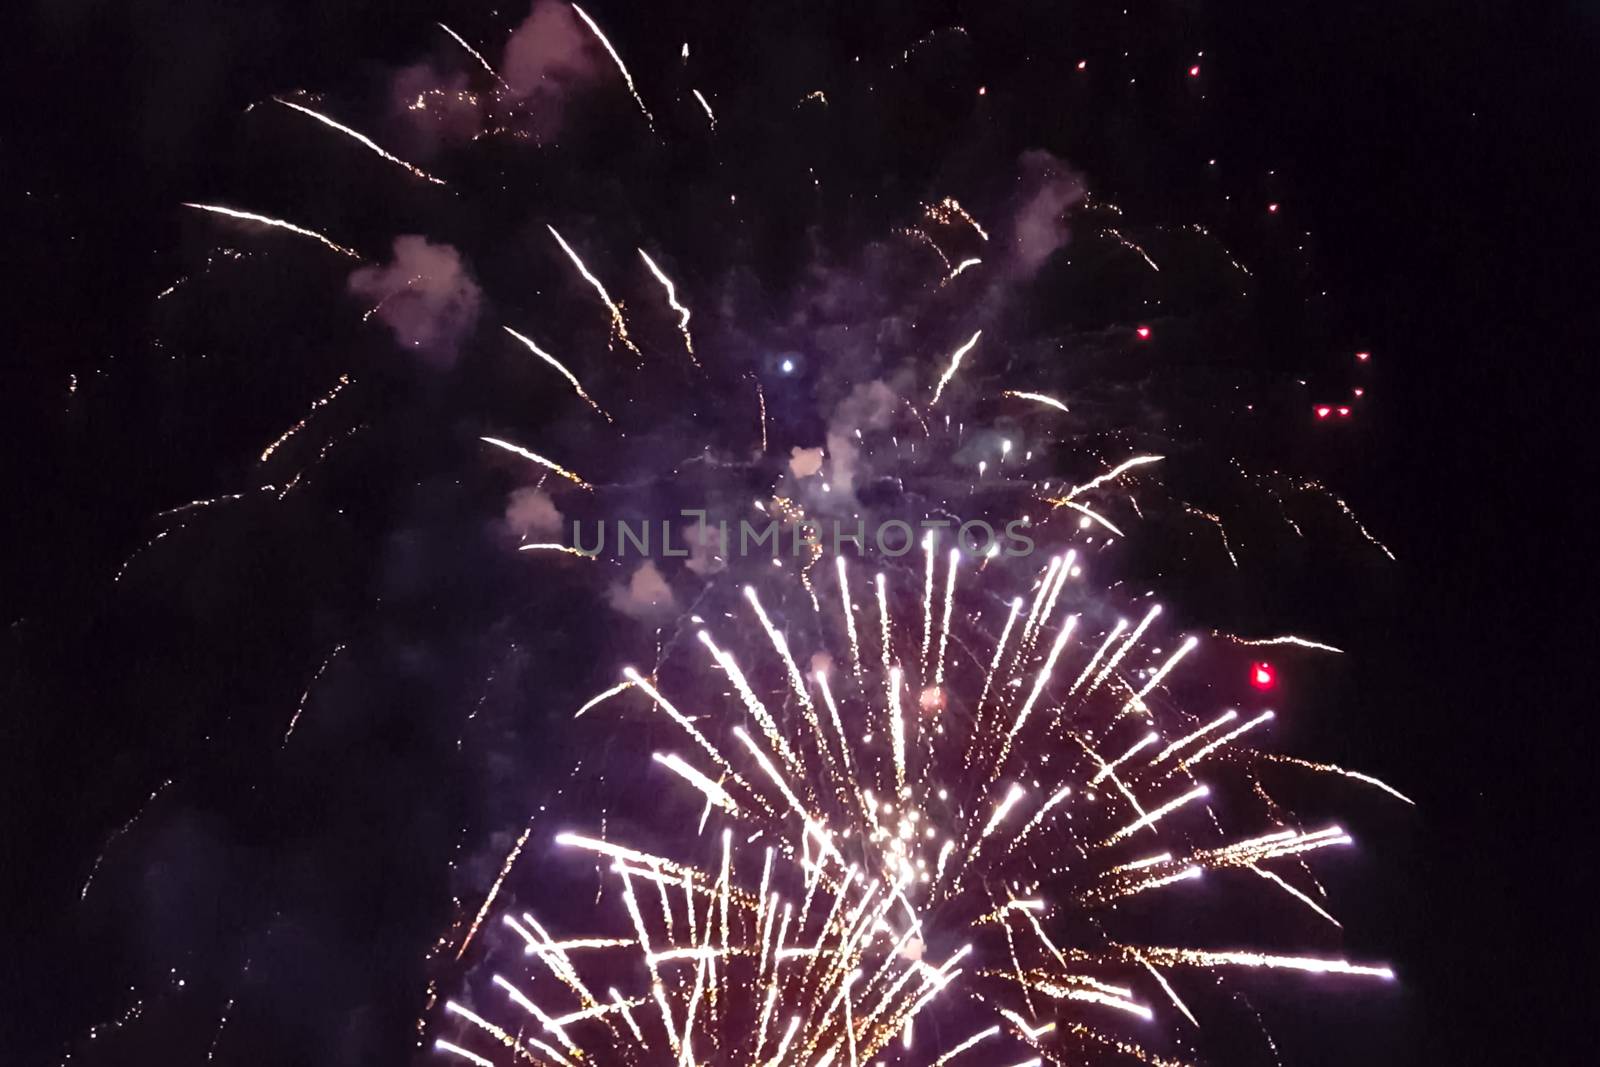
1441, 154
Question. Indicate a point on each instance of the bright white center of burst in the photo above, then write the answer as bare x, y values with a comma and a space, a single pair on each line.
788, 366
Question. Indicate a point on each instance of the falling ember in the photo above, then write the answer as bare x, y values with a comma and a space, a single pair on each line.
361, 139
612, 52
698, 95
249, 216
471, 51
955, 363
540, 460
323, 401
1143, 333
560, 369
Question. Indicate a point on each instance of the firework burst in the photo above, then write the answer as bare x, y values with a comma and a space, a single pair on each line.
902, 841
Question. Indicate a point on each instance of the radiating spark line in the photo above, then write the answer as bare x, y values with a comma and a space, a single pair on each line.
698, 95
649, 118
494, 890
619, 327
849, 615
1171, 993
1216, 521
949, 604
1292, 891
1330, 768
1155, 815
1096, 516
441, 1045
599, 698
927, 601
561, 369
1265, 716
1088, 668
1039, 398
473, 52
1112, 474
1287, 639
672, 300
250, 216
994, 664
982, 1035
1139, 746
323, 401
1161, 673
1199, 958
1133, 639
712, 791
963, 265
540, 460
94, 868
306, 695
1221, 720
550, 546
361, 139
955, 364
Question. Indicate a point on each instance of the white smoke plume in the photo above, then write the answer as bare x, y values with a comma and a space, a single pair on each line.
426, 296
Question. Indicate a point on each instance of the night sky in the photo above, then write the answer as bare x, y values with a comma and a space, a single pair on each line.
1440, 157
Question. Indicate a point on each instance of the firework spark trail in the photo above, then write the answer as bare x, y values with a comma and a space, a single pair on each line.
265, 220
1090, 514
961, 267
294, 720
321, 402
494, 891
1111, 475
1133, 639
550, 546
1329, 768
927, 601
1040, 593
1088, 668
1189, 738
619, 327
1315, 486
99, 858
761, 404
361, 139
612, 52
949, 604
849, 616
1287, 639
955, 364
710, 115
1132, 247
1227, 738
536, 458
560, 369
1216, 521
474, 53
994, 664
672, 300
1039, 398
1137, 700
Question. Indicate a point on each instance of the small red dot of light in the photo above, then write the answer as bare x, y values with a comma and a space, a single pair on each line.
1263, 675
1143, 332
1360, 392
1344, 413
1323, 411
1272, 208
1082, 63
1363, 356
1194, 71
982, 89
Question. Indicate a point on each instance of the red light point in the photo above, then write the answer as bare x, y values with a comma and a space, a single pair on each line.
1143, 332
1082, 63
1323, 411
1359, 391
1272, 209
1363, 356
1263, 675
1194, 71
1344, 412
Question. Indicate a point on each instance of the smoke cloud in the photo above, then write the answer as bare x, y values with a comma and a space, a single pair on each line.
646, 594
531, 513
425, 296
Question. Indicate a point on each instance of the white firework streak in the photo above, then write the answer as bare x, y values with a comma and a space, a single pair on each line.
672, 301
619, 327
267, 220
955, 364
362, 139
536, 458
560, 369
1038, 398
612, 52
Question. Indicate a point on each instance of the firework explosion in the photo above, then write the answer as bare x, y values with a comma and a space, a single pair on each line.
919, 808
900, 836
